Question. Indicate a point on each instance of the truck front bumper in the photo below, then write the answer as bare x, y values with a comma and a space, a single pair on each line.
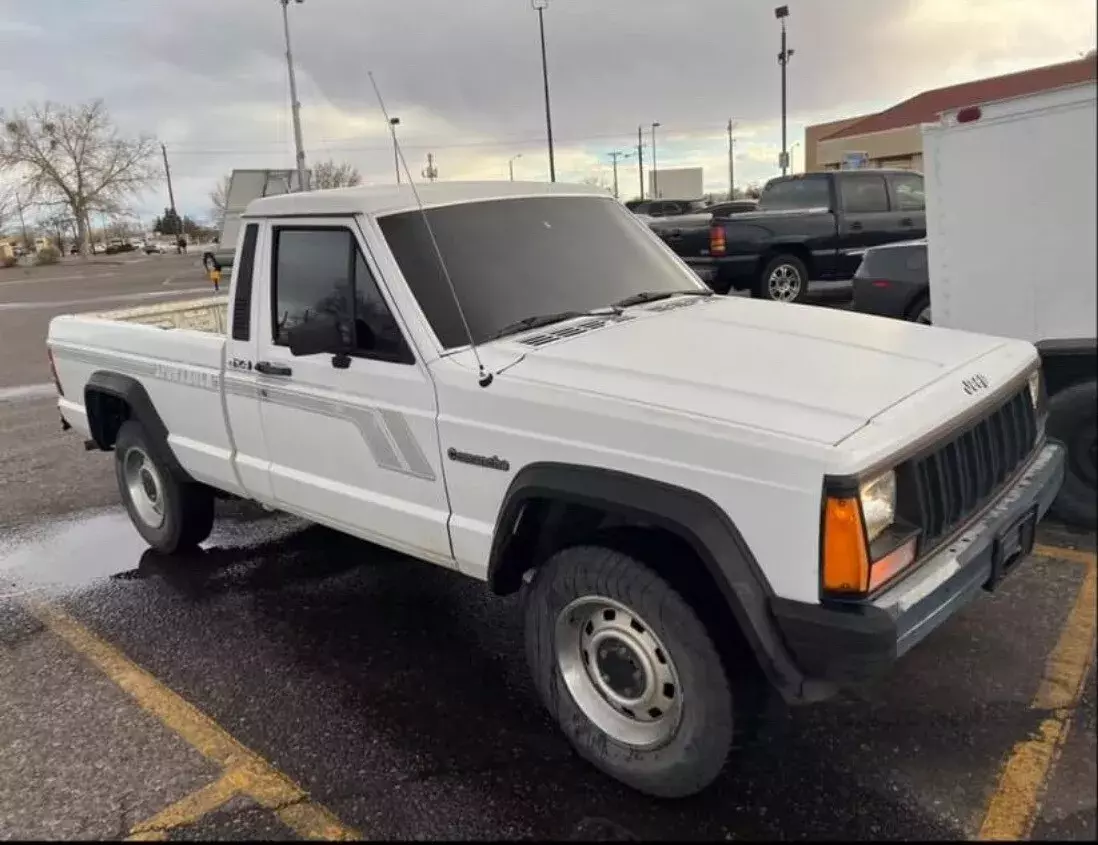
846, 644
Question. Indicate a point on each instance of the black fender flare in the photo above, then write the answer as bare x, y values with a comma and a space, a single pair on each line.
693, 518
130, 391
1067, 362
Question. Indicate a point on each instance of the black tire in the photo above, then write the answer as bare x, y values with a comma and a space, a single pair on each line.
1073, 421
186, 508
794, 267
694, 751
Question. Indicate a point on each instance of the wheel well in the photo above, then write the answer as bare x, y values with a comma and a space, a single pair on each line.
546, 526
1062, 369
797, 250
106, 413
915, 305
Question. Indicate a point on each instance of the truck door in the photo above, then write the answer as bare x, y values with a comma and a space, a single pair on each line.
865, 218
352, 439
908, 203
241, 396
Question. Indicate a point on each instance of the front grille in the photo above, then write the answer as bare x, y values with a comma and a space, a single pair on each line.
961, 476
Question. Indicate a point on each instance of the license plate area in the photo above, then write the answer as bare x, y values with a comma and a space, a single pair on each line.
1012, 544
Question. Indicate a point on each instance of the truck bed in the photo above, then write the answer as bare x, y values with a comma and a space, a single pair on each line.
208, 314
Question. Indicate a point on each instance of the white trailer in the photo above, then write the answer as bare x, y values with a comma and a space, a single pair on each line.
1011, 221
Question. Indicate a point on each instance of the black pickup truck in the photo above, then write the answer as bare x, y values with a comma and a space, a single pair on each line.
812, 226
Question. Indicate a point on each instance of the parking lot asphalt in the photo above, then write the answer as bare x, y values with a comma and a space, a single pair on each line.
289, 682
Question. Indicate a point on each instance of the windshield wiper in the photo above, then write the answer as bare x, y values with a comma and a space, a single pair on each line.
535, 322
539, 320
653, 295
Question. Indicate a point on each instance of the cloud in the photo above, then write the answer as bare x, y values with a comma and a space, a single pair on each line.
465, 77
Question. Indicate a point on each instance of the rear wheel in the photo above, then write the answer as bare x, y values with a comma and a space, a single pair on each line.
783, 279
628, 670
1074, 422
169, 513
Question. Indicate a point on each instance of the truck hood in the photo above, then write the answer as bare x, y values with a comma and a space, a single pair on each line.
807, 372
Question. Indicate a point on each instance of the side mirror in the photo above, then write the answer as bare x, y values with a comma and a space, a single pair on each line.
318, 335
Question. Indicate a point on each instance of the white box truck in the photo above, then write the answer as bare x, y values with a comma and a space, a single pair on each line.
1011, 221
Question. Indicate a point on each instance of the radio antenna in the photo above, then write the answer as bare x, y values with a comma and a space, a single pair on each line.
484, 378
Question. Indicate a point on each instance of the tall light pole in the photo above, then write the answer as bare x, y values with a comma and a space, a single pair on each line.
295, 106
171, 194
655, 167
511, 165
640, 159
792, 147
781, 13
731, 161
395, 122
540, 6
614, 156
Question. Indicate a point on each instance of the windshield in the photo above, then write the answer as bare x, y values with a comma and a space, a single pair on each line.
510, 259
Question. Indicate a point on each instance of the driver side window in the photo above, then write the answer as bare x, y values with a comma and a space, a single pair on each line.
321, 271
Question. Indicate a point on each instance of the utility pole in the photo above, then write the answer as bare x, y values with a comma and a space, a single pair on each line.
731, 161
430, 172
539, 7
614, 156
640, 159
511, 166
171, 194
295, 106
781, 13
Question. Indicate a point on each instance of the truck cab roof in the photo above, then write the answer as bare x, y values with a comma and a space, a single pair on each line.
392, 199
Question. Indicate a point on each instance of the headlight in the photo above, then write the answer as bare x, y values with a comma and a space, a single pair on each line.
878, 499
1034, 382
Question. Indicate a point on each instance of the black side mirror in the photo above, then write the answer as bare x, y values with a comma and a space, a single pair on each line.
317, 335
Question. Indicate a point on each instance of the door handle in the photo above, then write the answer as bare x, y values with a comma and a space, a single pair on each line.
856, 226
269, 369
906, 221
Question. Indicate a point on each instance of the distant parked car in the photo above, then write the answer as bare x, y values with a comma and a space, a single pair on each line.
667, 208
892, 281
156, 247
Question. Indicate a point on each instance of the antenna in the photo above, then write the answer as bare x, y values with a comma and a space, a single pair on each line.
484, 378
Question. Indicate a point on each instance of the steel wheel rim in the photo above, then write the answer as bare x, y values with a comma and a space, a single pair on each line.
618, 671
784, 283
924, 316
144, 486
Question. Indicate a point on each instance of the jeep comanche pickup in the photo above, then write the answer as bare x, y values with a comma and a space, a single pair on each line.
545, 418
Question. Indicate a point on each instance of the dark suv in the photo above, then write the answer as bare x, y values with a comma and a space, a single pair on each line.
892, 281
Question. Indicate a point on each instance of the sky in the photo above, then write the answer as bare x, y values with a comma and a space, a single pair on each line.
208, 77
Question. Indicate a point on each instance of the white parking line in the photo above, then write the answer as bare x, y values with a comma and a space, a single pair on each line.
118, 297
38, 280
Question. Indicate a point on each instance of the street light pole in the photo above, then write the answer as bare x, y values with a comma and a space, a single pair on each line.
540, 6
395, 122
640, 160
781, 13
511, 165
295, 106
731, 161
655, 167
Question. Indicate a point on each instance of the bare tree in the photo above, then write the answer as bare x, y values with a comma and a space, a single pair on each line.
74, 157
328, 174
219, 197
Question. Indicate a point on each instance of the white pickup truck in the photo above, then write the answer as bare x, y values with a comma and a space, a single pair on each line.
522, 383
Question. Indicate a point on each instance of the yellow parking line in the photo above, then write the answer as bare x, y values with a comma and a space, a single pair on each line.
1013, 808
191, 808
254, 776
1064, 553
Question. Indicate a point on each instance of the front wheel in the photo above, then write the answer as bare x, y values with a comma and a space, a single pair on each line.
169, 513
1072, 421
628, 670
783, 279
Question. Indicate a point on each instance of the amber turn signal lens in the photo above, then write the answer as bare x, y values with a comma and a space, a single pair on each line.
845, 559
